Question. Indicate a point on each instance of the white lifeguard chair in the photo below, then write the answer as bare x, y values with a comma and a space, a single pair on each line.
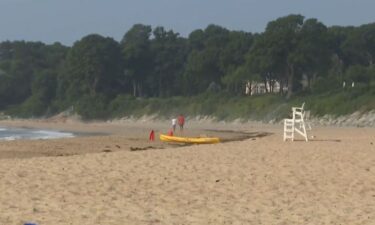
296, 124
307, 119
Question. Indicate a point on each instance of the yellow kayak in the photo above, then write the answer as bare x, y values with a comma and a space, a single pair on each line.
191, 140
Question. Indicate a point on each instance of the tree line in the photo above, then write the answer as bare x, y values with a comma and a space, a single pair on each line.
39, 79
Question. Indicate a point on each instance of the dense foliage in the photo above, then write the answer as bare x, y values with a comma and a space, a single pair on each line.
155, 68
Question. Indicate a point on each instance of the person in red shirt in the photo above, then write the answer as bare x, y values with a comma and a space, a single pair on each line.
181, 122
152, 135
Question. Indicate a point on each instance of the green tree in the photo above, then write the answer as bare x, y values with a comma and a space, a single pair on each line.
137, 56
360, 45
43, 92
289, 48
265, 63
203, 65
359, 74
232, 60
314, 50
169, 51
282, 36
93, 66
20, 62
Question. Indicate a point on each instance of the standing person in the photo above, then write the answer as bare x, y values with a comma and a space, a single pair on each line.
181, 122
152, 135
174, 123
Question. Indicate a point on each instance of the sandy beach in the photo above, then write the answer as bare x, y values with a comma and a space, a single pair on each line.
117, 176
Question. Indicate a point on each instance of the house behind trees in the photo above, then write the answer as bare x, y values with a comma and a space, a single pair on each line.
258, 88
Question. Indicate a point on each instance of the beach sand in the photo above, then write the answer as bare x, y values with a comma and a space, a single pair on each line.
259, 180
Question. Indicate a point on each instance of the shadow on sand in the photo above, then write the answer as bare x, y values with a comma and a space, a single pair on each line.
319, 140
234, 136
244, 136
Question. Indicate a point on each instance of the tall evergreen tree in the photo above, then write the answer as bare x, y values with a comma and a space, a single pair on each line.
93, 66
137, 56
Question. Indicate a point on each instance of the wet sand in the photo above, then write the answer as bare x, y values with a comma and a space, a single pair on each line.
107, 137
260, 180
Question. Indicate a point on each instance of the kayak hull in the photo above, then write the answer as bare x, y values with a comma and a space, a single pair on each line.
189, 140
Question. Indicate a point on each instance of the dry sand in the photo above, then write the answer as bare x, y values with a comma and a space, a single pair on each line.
260, 180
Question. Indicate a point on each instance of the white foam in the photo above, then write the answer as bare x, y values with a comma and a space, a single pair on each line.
3, 129
31, 134
11, 138
47, 134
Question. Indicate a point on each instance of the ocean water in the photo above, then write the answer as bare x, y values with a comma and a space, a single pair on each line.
9, 134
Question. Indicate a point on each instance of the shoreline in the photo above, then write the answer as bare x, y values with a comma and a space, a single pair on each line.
98, 137
261, 180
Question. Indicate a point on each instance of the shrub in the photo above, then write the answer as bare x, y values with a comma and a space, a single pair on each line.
92, 107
